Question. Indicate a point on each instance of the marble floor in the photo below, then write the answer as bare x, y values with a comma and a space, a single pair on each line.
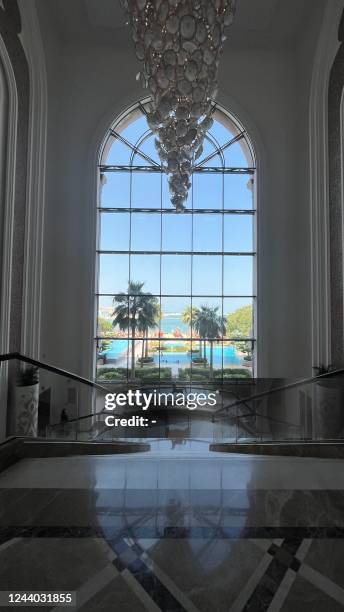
176, 529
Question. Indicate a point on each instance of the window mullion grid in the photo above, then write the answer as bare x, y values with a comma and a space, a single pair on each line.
171, 211
161, 212
160, 282
129, 272
96, 303
223, 269
191, 282
255, 276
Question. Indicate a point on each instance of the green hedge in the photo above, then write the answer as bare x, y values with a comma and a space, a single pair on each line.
198, 374
204, 374
142, 374
154, 374
111, 373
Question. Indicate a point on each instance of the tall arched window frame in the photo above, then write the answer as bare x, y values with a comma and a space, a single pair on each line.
202, 258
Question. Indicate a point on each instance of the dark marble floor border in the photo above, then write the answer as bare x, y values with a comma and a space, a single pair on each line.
130, 555
299, 533
283, 558
143, 574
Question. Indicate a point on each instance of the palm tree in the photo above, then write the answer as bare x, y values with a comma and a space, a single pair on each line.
130, 313
210, 325
126, 313
200, 325
149, 318
189, 316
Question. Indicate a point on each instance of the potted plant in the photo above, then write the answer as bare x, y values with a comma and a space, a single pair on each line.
26, 402
328, 413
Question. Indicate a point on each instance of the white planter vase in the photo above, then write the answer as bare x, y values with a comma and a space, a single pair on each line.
26, 410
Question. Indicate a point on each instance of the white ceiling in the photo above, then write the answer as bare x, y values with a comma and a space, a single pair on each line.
105, 13
251, 14
256, 21
254, 15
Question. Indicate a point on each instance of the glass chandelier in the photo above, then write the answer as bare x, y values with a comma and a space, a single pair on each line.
179, 43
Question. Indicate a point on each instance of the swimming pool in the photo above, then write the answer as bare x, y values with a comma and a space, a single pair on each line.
118, 348
115, 350
230, 357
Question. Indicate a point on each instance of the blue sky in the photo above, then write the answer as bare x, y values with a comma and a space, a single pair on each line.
209, 275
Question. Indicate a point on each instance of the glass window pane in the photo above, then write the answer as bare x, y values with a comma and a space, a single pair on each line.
238, 191
238, 279
113, 360
114, 231
212, 302
145, 231
238, 233
200, 306
146, 269
146, 190
113, 273
175, 317
224, 129
176, 274
207, 275
238, 156
118, 153
207, 233
238, 313
176, 232
135, 128
174, 356
237, 360
105, 307
209, 149
147, 320
213, 353
117, 352
147, 147
207, 190
115, 190
104, 319
166, 195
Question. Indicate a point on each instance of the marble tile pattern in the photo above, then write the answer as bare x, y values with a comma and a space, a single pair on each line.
187, 539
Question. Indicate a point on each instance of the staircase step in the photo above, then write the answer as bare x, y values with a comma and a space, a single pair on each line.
329, 450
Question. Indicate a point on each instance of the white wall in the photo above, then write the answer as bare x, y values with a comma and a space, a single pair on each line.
268, 89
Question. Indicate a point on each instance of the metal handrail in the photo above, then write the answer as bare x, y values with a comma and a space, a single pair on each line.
53, 369
244, 400
263, 416
293, 385
77, 419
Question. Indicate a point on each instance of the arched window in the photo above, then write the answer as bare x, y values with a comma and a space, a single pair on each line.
175, 291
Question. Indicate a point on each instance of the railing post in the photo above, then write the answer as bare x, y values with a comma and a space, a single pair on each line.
236, 424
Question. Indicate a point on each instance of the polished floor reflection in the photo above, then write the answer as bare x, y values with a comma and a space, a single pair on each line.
175, 530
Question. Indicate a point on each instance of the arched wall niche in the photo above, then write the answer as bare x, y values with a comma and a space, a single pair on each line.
14, 175
99, 148
336, 203
324, 122
4, 112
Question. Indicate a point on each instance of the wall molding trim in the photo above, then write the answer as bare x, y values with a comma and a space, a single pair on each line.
327, 49
32, 282
9, 199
